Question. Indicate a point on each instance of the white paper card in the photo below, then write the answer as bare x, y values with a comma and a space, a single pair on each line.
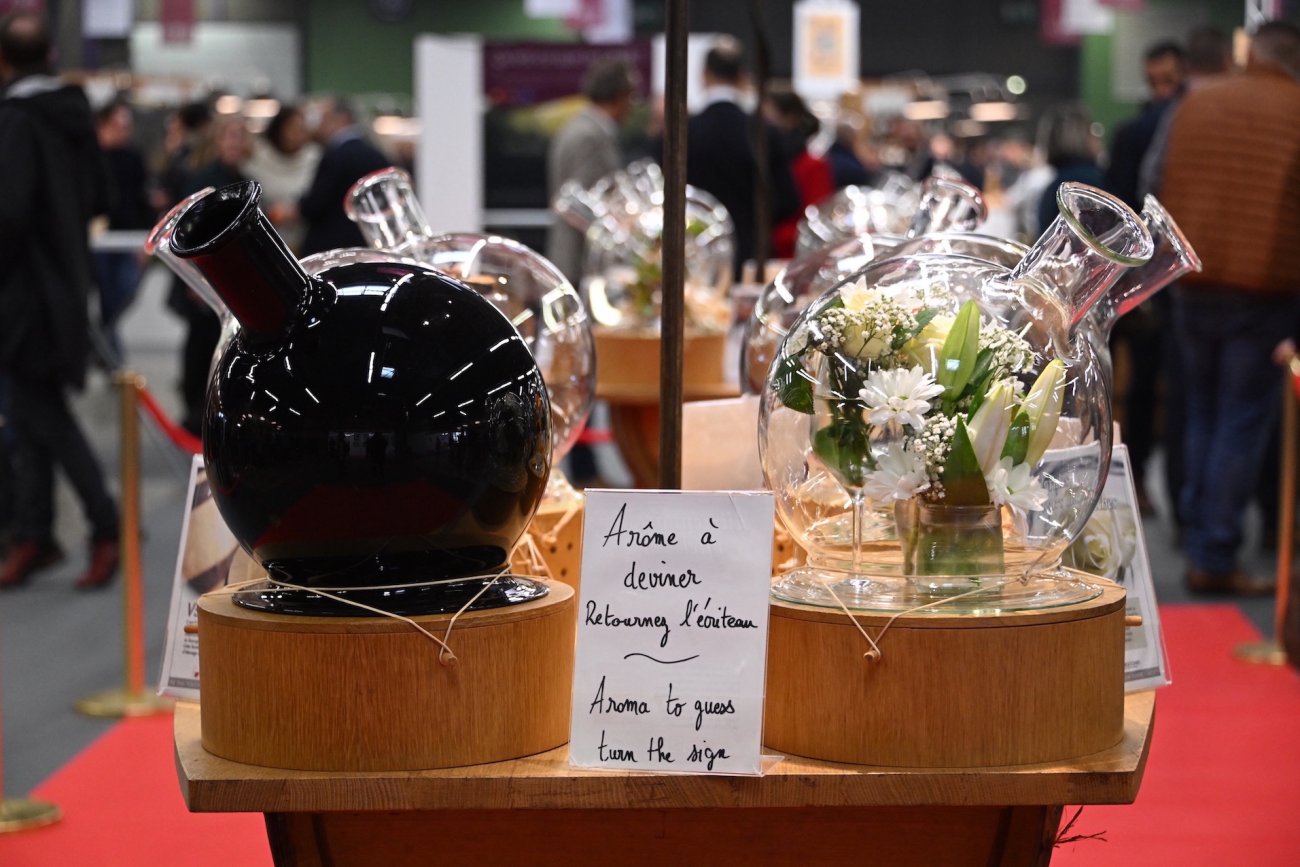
705, 424
672, 631
1113, 545
203, 562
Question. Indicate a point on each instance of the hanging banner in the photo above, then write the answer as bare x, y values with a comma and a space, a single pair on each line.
177, 19
826, 45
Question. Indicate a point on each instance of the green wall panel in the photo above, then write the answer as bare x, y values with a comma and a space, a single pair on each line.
349, 51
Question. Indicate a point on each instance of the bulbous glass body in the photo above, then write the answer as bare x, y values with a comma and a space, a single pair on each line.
886, 208
946, 210
935, 423
378, 431
622, 216
623, 274
533, 294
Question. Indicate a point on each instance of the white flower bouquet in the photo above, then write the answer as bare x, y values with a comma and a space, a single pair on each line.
928, 413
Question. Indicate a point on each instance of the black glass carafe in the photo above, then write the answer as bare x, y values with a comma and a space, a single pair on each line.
378, 431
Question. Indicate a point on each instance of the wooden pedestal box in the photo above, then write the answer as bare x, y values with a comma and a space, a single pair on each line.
556, 532
949, 691
370, 694
627, 366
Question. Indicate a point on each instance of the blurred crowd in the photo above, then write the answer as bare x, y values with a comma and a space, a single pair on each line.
1219, 145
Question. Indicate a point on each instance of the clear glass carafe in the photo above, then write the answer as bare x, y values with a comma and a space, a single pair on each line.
928, 383
622, 216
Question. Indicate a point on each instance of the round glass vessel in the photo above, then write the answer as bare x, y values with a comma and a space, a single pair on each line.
622, 215
377, 432
885, 208
532, 293
937, 428
945, 212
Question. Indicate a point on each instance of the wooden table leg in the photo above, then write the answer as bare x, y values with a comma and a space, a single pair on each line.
635, 427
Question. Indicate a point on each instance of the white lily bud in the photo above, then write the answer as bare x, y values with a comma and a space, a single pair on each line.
989, 426
1043, 406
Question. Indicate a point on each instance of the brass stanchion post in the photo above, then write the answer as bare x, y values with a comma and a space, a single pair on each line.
1271, 652
18, 814
131, 699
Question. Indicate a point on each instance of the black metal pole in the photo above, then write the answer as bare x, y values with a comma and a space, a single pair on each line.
673, 317
758, 132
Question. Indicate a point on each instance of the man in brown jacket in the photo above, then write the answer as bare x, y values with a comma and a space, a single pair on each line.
1232, 181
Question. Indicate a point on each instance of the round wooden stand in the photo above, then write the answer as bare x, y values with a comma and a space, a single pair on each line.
949, 691
369, 693
561, 551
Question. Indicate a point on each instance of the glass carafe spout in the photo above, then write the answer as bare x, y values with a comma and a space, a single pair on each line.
1093, 240
384, 207
159, 243
947, 205
231, 243
1173, 257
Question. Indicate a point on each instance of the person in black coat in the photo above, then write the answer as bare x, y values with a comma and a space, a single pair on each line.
347, 158
54, 180
720, 156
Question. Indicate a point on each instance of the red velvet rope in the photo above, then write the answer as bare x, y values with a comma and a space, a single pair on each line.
179, 436
593, 437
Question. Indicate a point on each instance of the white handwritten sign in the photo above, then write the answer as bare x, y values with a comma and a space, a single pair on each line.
672, 631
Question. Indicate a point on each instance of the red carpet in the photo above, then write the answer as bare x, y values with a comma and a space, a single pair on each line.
122, 807
1222, 783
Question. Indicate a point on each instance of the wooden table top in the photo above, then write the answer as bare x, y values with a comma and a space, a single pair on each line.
545, 781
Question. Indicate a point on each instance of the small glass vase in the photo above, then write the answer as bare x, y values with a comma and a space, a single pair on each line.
946, 548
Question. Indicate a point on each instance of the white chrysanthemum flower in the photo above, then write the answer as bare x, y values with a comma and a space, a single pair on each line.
1012, 486
899, 475
902, 395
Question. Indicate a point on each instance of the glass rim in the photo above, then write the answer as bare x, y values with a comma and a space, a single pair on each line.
366, 182
1155, 212
1069, 191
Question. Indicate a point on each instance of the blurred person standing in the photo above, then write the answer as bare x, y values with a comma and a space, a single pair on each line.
847, 166
219, 158
1232, 181
1209, 57
1071, 147
1165, 69
185, 128
1142, 331
585, 150
347, 156
284, 162
117, 274
54, 181
720, 157
813, 177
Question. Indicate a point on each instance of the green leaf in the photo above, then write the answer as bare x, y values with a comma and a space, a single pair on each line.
963, 481
843, 447
979, 381
957, 358
924, 318
793, 386
1017, 438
